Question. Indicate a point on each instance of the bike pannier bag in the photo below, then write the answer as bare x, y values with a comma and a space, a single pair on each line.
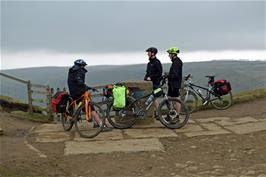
119, 94
222, 87
59, 101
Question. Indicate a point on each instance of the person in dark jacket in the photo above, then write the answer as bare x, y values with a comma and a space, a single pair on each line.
174, 76
154, 68
154, 72
77, 86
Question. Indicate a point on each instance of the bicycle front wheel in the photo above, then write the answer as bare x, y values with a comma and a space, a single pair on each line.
91, 128
222, 102
123, 118
67, 121
169, 116
67, 117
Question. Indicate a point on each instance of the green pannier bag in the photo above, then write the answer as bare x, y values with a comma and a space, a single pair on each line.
119, 94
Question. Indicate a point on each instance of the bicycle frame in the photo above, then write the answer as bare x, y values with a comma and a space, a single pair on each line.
86, 99
208, 92
147, 107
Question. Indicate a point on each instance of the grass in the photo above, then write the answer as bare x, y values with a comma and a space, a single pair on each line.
33, 117
241, 97
13, 173
9, 99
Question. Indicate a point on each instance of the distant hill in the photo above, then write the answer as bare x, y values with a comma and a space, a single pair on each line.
243, 75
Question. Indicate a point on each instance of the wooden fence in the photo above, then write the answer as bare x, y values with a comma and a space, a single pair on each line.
36, 89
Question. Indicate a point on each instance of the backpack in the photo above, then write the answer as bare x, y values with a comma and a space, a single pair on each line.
59, 101
221, 87
119, 94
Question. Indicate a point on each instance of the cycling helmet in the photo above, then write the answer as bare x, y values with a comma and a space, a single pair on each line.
80, 62
173, 50
152, 49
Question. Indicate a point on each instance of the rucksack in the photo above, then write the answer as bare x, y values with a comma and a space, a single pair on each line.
119, 94
59, 101
222, 87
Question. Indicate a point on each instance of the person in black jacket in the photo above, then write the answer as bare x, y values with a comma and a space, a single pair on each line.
154, 68
77, 86
154, 72
174, 76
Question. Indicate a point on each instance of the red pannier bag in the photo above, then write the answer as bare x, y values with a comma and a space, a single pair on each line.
222, 87
59, 101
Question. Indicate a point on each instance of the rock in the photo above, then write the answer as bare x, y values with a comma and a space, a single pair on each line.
262, 175
193, 147
172, 174
190, 162
180, 165
192, 168
250, 172
1, 131
217, 166
153, 156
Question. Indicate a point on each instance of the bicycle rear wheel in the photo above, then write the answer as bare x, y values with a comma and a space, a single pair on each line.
222, 102
124, 118
191, 102
91, 128
168, 114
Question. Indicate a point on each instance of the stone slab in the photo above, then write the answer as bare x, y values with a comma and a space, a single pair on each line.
52, 137
116, 134
206, 133
214, 119
189, 128
245, 120
44, 128
128, 145
247, 128
211, 126
150, 133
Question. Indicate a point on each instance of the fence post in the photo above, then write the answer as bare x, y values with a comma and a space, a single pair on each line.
29, 97
49, 102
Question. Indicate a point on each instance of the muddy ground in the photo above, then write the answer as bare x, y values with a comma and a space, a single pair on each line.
228, 155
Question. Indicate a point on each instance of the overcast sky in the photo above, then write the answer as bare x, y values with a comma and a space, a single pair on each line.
87, 29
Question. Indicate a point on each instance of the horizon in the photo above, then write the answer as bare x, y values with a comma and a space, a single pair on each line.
44, 59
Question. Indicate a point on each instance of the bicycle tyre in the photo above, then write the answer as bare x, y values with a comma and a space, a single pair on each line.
122, 122
191, 102
86, 128
67, 122
226, 102
67, 117
165, 109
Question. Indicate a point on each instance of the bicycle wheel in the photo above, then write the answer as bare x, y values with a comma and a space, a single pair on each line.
222, 102
124, 118
67, 121
91, 128
67, 118
168, 114
191, 102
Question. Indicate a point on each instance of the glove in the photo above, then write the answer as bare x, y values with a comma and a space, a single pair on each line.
94, 89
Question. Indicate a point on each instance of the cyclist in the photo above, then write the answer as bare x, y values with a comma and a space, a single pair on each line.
154, 71
77, 86
174, 76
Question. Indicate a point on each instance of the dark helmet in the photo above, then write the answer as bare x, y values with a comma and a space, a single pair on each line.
152, 49
80, 62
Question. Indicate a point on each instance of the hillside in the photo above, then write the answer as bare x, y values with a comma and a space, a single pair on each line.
243, 75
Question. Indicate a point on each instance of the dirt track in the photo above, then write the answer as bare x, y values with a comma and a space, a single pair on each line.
226, 154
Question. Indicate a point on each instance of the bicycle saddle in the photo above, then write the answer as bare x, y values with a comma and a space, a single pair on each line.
210, 76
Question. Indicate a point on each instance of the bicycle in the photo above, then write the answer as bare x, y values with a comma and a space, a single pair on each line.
79, 112
134, 110
192, 93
